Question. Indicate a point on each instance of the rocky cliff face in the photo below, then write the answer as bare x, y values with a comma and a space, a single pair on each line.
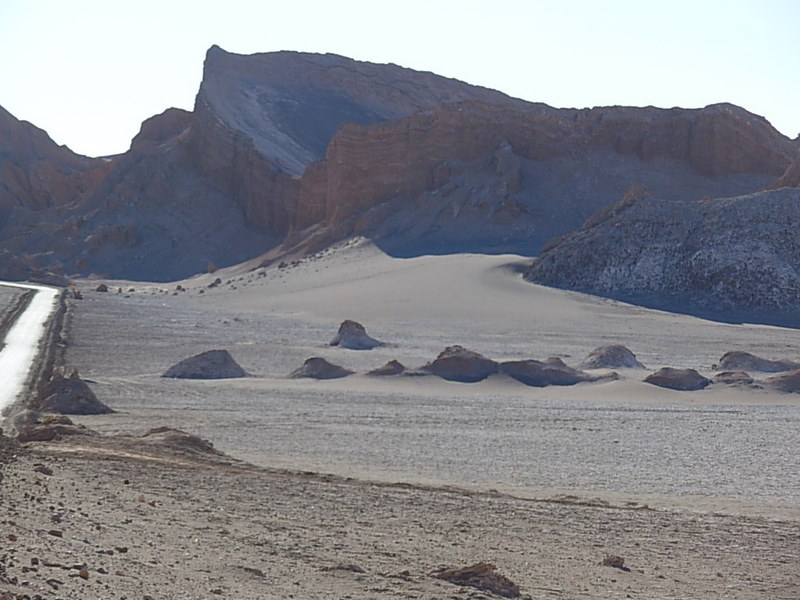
287, 152
736, 257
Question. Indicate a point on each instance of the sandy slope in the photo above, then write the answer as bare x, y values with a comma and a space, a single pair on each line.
718, 449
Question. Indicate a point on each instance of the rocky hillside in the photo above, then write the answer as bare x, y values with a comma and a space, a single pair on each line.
285, 153
732, 258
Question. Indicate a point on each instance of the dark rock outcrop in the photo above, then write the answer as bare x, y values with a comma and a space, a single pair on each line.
70, 396
213, 364
740, 378
392, 367
319, 368
456, 363
732, 258
788, 382
50, 428
615, 356
744, 361
482, 576
684, 380
552, 371
353, 335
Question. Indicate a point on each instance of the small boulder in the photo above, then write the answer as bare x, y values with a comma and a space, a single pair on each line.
482, 576
744, 361
685, 380
213, 364
101, 288
788, 382
392, 367
70, 396
353, 335
319, 368
615, 356
552, 371
456, 363
733, 378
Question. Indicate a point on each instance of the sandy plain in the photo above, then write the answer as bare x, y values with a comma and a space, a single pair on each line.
360, 487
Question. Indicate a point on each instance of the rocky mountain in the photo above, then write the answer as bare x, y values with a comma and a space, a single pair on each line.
285, 153
731, 258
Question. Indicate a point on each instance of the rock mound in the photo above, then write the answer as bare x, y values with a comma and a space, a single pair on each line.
392, 367
70, 396
353, 335
179, 441
615, 356
213, 364
684, 380
319, 368
483, 576
788, 382
50, 428
731, 258
552, 371
456, 363
744, 361
734, 378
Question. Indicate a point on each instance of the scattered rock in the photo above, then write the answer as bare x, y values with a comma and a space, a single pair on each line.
744, 361
552, 371
685, 380
70, 396
615, 561
788, 382
353, 335
319, 368
456, 363
733, 378
615, 356
392, 367
482, 576
213, 364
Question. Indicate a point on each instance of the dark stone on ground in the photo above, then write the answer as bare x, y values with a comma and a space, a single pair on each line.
552, 371
456, 363
684, 380
615, 356
392, 367
788, 382
70, 396
213, 364
482, 576
744, 361
353, 335
319, 368
733, 378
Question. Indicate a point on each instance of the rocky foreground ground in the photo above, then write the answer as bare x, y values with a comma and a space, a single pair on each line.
168, 517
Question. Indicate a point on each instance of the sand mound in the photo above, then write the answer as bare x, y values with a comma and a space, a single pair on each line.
213, 364
392, 367
684, 380
70, 396
353, 335
482, 576
615, 356
456, 363
552, 371
319, 368
744, 361
788, 382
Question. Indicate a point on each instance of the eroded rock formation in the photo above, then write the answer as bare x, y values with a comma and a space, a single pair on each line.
212, 364
684, 380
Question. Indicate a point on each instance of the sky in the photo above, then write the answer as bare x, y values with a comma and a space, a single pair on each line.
89, 72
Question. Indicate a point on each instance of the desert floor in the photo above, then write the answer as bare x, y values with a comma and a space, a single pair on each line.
697, 491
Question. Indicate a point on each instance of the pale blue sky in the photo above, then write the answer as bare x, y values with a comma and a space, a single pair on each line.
90, 71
